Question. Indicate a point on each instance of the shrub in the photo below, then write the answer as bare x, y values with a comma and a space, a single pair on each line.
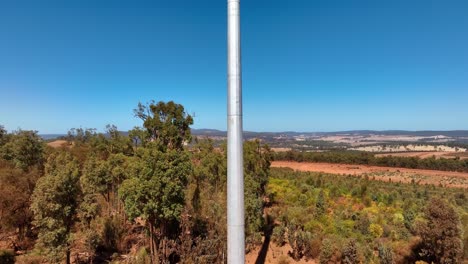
7, 257
327, 251
112, 234
385, 255
441, 236
350, 254
375, 230
314, 249
278, 235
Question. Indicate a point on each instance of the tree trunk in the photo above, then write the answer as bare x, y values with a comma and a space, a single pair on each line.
153, 245
68, 256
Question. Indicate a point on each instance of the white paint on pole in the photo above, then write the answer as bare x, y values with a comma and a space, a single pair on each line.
235, 182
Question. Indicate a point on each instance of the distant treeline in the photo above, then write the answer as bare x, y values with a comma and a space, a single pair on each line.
366, 158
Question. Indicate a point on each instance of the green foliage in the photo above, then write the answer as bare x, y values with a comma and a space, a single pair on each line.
256, 171
117, 143
158, 173
112, 234
349, 254
80, 136
279, 235
3, 135
92, 241
300, 241
349, 217
207, 196
149, 177
23, 148
320, 205
94, 181
375, 230
54, 202
211, 165
409, 216
167, 124
441, 237
327, 251
385, 255
16, 187
155, 189
139, 137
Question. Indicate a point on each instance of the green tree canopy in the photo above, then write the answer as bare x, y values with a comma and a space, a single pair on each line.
158, 172
3, 134
54, 203
167, 123
24, 148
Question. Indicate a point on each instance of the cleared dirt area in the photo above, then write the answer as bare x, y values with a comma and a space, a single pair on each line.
57, 143
445, 178
270, 253
428, 154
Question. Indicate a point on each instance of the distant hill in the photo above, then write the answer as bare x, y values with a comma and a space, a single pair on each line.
252, 134
51, 136
423, 133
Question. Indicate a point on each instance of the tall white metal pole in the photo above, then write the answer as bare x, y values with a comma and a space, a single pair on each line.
235, 182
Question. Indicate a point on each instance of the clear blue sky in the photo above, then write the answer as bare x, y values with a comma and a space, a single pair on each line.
321, 65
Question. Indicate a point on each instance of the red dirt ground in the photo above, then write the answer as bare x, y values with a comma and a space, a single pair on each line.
274, 255
57, 143
446, 178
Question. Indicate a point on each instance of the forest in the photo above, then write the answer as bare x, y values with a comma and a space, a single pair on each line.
158, 195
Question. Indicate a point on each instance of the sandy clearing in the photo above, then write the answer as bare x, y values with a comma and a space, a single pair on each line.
446, 178
274, 254
57, 143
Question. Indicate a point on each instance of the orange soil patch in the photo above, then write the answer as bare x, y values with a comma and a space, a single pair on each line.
274, 254
57, 143
427, 154
446, 178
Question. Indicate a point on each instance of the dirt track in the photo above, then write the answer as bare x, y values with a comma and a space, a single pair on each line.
446, 178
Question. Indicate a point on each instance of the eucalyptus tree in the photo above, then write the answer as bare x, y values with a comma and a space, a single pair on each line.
24, 148
16, 187
158, 173
3, 134
257, 159
167, 124
55, 201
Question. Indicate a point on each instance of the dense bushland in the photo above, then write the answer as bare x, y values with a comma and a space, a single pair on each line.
146, 194
366, 158
357, 220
